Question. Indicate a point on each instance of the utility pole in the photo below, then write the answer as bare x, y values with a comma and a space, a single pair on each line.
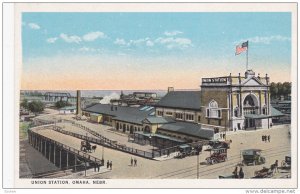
198, 166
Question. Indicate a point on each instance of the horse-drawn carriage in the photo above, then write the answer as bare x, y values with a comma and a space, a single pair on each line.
217, 156
87, 147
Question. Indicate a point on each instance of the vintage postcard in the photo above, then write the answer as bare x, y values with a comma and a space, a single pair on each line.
155, 95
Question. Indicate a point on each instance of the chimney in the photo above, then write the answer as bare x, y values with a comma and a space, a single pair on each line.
170, 89
78, 104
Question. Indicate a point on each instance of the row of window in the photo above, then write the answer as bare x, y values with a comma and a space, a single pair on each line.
127, 127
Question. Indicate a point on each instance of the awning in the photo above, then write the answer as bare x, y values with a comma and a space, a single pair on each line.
257, 116
184, 146
159, 136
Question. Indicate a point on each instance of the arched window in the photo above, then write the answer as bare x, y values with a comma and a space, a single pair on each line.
213, 111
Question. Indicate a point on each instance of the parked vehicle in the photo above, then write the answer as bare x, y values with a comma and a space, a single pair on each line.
286, 164
253, 156
217, 155
216, 144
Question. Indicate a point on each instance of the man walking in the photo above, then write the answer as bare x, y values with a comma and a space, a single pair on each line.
110, 164
135, 162
107, 164
269, 137
131, 161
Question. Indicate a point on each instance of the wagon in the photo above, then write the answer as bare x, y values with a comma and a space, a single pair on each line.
253, 156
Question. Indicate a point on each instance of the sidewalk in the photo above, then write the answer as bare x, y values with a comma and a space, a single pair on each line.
89, 173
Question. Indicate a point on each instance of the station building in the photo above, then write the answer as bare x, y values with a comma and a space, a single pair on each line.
229, 103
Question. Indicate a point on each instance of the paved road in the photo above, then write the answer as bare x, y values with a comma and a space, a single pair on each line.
186, 168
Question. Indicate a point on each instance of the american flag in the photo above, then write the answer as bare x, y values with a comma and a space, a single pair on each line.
241, 48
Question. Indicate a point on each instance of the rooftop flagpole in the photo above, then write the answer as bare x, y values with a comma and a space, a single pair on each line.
247, 56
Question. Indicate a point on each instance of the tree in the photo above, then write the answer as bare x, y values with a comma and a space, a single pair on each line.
61, 104
24, 104
36, 106
280, 89
273, 90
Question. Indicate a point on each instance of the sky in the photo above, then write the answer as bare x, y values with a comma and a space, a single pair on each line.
138, 51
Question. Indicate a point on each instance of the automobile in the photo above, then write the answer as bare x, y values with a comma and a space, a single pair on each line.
253, 156
217, 155
215, 144
286, 163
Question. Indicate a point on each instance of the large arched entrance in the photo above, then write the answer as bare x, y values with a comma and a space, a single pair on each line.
147, 129
250, 108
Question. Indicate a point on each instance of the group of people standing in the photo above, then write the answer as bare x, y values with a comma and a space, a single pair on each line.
133, 162
266, 138
238, 174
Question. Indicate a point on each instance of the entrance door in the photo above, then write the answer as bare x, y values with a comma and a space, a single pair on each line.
124, 128
250, 123
131, 129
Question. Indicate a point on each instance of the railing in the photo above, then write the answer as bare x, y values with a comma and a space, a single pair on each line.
109, 143
69, 149
101, 140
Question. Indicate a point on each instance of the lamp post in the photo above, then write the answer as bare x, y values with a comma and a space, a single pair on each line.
151, 141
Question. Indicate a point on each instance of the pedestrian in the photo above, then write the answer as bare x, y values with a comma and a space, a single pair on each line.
276, 166
110, 164
107, 164
241, 173
98, 167
135, 162
131, 161
262, 138
266, 138
235, 172
269, 137
95, 167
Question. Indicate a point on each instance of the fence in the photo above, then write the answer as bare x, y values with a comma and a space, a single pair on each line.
101, 140
68, 148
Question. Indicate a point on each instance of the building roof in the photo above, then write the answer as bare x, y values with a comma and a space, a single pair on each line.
158, 120
121, 113
181, 99
275, 112
187, 128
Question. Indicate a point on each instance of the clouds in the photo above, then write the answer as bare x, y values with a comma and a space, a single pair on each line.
51, 40
170, 40
70, 39
93, 36
265, 39
120, 41
31, 25
172, 33
89, 37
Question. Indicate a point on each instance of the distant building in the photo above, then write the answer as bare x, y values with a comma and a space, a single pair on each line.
142, 120
67, 110
136, 98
